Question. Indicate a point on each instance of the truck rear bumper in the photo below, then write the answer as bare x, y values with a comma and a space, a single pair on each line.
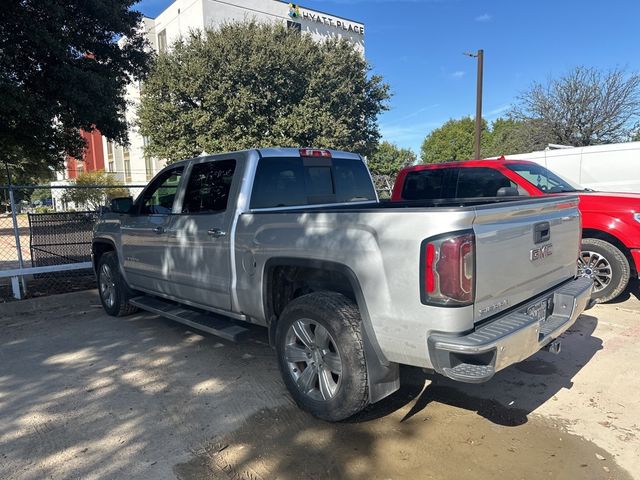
477, 356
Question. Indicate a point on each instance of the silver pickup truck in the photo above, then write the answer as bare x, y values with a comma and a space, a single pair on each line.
349, 287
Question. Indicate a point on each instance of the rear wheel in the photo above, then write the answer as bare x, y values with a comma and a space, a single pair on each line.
321, 355
114, 292
606, 265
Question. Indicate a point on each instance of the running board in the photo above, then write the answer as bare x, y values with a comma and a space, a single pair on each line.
206, 321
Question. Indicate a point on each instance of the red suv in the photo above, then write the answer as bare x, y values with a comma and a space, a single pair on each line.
610, 221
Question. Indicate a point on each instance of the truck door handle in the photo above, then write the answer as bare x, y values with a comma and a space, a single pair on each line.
216, 233
158, 230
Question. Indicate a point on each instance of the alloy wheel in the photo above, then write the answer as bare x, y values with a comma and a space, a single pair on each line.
107, 286
593, 265
313, 359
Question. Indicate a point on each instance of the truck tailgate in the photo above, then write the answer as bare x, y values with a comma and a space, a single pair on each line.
522, 249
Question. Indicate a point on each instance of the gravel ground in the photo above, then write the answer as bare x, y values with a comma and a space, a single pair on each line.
84, 395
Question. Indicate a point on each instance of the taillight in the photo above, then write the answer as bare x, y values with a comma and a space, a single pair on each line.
448, 270
315, 153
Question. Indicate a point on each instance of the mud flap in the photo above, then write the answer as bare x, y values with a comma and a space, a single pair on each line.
383, 377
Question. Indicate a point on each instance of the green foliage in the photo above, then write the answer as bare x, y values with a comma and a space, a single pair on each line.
249, 85
40, 195
44, 210
385, 163
511, 136
61, 69
93, 198
389, 158
453, 141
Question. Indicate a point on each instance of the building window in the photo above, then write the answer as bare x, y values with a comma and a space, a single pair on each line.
162, 41
148, 165
110, 158
126, 156
148, 161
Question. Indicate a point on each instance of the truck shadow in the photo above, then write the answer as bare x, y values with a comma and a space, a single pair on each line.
511, 395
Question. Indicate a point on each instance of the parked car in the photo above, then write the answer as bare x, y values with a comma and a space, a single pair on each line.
349, 288
610, 221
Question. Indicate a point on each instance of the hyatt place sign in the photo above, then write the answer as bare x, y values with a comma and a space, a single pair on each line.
296, 13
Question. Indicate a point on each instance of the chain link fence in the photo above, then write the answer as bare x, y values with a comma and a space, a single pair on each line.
383, 185
45, 237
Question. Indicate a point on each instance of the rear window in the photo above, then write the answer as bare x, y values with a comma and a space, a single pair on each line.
295, 181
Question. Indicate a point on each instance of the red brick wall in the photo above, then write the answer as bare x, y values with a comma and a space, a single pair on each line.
93, 158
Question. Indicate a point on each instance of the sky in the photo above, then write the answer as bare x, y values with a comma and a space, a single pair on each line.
417, 46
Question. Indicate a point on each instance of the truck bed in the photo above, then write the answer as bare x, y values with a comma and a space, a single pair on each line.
447, 203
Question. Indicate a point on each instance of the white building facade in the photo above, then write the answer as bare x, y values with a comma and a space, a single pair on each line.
129, 163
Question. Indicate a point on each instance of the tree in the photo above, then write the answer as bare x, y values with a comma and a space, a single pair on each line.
110, 187
62, 69
453, 141
40, 195
511, 136
247, 85
386, 162
585, 107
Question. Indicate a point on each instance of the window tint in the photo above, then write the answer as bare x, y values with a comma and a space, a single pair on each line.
319, 181
279, 183
158, 198
284, 182
480, 182
425, 185
353, 182
208, 187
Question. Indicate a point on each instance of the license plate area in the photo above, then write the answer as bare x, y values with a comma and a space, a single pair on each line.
540, 310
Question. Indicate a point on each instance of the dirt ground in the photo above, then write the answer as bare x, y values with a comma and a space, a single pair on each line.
84, 395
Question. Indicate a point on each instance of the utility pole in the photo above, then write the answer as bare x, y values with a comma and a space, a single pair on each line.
480, 56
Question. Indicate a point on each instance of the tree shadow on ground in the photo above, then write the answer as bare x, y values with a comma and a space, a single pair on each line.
428, 429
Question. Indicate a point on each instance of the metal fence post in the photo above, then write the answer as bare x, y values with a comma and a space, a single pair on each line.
16, 232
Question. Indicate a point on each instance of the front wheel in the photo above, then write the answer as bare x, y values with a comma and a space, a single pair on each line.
606, 265
114, 292
321, 355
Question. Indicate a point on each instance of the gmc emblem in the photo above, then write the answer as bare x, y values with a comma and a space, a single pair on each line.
541, 252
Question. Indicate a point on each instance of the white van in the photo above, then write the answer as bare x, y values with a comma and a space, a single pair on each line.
607, 168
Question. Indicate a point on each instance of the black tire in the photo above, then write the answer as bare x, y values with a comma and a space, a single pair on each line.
113, 291
601, 256
340, 317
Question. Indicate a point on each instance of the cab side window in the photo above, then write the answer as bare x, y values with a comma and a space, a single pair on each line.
209, 186
480, 182
159, 197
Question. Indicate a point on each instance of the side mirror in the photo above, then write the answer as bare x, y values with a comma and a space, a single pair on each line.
122, 204
508, 192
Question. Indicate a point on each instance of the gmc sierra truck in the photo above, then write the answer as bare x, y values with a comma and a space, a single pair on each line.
349, 287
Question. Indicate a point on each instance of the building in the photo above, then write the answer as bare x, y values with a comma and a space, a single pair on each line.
177, 20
